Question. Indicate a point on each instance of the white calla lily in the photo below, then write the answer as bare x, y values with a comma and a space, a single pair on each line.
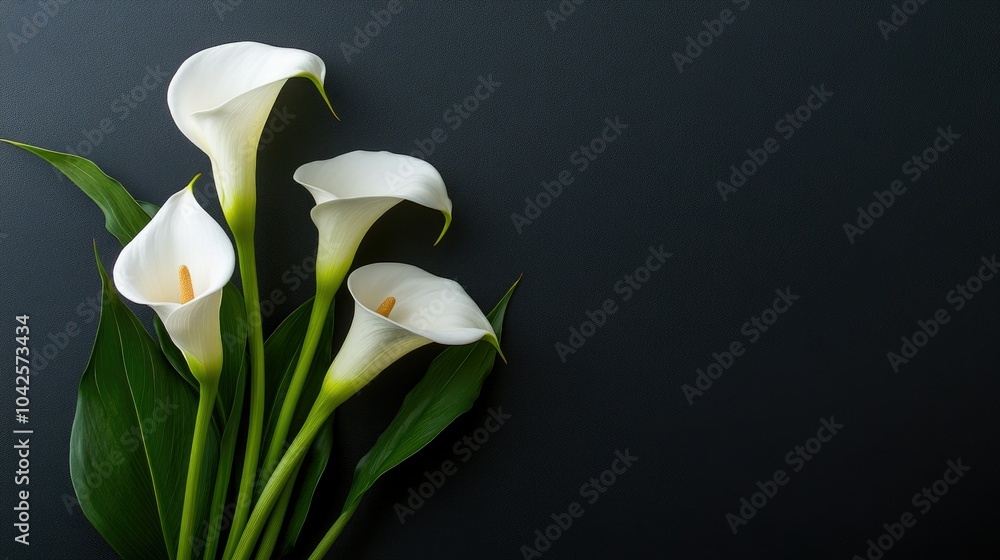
221, 98
147, 272
399, 308
353, 190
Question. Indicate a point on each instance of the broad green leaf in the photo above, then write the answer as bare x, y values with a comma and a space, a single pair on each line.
313, 467
122, 214
281, 352
131, 438
448, 389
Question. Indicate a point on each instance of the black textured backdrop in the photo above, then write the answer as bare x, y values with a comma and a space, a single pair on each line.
654, 187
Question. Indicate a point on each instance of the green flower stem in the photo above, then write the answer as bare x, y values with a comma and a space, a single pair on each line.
274, 523
206, 403
325, 291
282, 475
248, 272
222, 476
317, 318
324, 545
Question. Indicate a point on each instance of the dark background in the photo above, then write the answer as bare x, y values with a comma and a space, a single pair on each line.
653, 186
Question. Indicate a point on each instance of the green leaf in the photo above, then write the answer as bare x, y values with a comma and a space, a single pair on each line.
281, 353
123, 216
150, 208
131, 438
312, 471
448, 389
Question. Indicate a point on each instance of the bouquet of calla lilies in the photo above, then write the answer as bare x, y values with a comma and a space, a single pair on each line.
209, 441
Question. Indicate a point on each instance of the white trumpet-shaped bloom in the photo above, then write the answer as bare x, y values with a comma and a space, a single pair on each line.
181, 234
353, 190
426, 309
221, 98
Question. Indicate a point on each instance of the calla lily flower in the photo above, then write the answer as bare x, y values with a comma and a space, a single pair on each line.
178, 265
397, 309
221, 98
353, 190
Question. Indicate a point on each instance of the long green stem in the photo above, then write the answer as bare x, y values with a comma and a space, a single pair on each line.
206, 402
283, 474
324, 545
317, 319
248, 272
274, 523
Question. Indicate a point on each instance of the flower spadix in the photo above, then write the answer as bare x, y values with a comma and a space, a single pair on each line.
353, 190
178, 265
221, 98
398, 308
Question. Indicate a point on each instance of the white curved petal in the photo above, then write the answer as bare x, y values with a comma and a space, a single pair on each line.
428, 309
426, 305
212, 78
221, 98
362, 173
195, 329
371, 345
342, 224
354, 189
181, 233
